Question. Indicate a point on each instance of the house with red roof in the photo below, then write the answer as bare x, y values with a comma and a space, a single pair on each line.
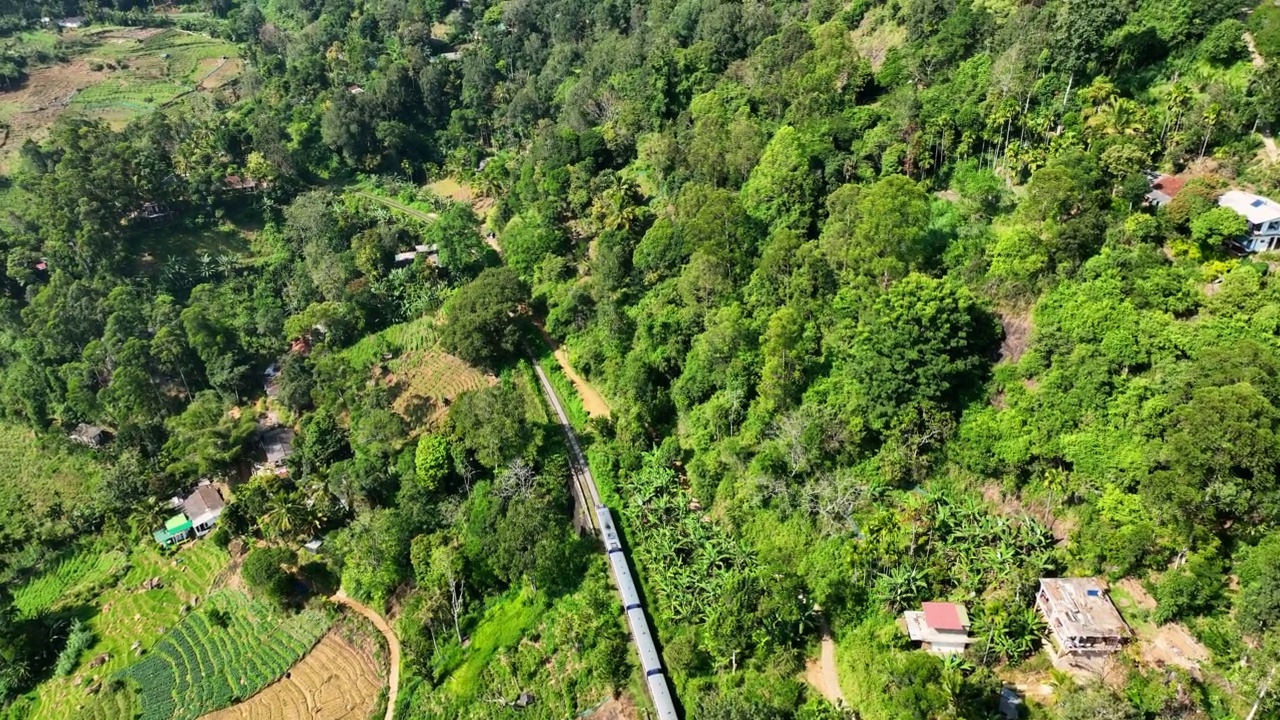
941, 628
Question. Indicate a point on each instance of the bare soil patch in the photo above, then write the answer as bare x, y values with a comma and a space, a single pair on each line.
1017, 334
619, 708
333, 682
1142, 600
31, 109
820, 672
1173, 644
129, 34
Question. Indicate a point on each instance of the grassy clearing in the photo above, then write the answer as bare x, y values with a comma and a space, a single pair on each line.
124, 614
38, 475
505, 622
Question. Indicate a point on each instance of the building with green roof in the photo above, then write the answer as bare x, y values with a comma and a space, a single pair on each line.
176, 529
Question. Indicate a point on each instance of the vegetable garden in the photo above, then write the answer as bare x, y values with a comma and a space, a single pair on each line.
229, 650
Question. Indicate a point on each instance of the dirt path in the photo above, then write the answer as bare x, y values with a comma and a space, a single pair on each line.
592, 401
821, 672
393, 646
395, 205
1268, 142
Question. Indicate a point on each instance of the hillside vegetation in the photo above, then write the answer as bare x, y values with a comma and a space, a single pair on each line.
874, 290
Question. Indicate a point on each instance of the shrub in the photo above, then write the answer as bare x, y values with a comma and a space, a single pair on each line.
265, 575
1224, 44
79, 639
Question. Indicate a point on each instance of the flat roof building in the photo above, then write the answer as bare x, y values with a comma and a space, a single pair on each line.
1081, 619
1263, 216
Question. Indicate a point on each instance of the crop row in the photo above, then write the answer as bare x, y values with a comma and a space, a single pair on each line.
87, 569
200, 665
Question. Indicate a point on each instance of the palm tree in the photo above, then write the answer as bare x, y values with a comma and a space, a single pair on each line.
1176, 104
1117, 116
1212, 114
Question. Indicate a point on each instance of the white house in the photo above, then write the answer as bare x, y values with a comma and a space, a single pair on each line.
1263, 215
941, 628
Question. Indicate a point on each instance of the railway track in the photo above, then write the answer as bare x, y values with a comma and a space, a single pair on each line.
600, 520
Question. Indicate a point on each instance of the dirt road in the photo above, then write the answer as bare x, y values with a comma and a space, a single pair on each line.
592, 401
393, 646
821, 673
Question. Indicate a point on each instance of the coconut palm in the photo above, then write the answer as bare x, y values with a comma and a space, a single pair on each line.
1117, 116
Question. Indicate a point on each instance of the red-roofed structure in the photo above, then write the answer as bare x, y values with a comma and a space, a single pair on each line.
941, 628
944, 616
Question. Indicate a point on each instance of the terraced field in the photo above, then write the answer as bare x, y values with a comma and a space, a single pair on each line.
426, 382
72, 579
333, 682
123, 614
205, 664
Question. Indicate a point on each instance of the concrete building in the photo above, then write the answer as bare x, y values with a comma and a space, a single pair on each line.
941, 628
1263, 215
1082, 621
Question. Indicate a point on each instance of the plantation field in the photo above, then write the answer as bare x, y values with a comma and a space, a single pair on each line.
335, 681
114, 73
81, 574
423, 379
121, 615
426, 382
203, 664
38, 476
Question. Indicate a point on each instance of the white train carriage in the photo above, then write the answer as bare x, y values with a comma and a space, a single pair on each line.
650, 660
661, 696
626, 586
608, 531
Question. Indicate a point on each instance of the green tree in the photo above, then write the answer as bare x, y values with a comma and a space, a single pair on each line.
1214, 228
432, 460
783, 188
482, 317
925, 342
206, 440
265, 574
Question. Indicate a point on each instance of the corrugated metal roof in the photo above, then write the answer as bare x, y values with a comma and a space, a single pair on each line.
945, 616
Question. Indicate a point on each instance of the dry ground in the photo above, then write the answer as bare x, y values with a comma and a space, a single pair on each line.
426, 382
333, 682
31, 109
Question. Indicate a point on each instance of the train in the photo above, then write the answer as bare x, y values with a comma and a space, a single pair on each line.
641, 634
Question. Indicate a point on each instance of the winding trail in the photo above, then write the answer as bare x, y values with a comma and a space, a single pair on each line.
393, 646
1268, 142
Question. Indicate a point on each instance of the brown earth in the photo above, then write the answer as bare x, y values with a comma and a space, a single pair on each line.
333, 682
620, 708
820, 672
31, 109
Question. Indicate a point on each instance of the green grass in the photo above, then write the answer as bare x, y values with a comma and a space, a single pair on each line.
200, 666
506, 621
75, 578
124, 613
130, 93
38, 475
